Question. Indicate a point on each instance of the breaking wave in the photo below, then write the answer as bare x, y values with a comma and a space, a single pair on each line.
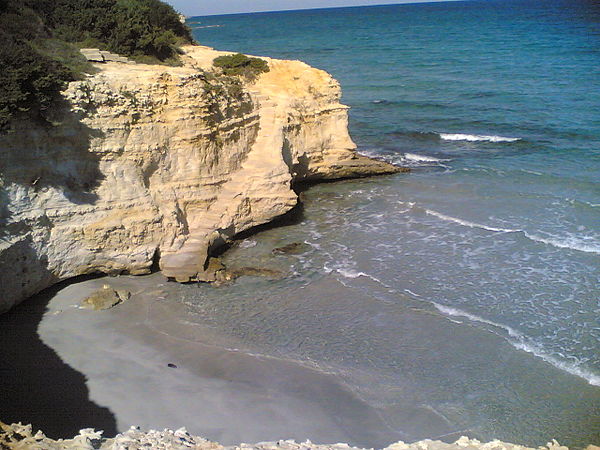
476, 138
422, 158
520, 342
406, 159
582, 244
571, 242
350, 273
466, 223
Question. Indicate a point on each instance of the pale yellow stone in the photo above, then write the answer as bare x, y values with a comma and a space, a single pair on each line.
149, 162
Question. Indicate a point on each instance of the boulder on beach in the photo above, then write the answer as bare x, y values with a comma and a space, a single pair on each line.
105, 298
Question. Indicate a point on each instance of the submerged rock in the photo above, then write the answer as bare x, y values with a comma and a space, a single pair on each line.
295, 248
105, 298
256, 272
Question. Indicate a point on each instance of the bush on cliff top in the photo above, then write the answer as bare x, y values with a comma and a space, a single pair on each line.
39, 41
29, 82
243, 65
128, 27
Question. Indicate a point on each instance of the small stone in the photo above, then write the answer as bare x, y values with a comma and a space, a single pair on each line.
92, 54
123, 295
103, 299
172, 366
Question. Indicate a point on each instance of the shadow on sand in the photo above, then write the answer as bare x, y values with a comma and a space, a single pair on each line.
36, 386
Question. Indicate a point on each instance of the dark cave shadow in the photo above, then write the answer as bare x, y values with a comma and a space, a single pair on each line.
36, 386
292, 217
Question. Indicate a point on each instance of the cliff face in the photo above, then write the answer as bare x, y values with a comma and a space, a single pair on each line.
152, 164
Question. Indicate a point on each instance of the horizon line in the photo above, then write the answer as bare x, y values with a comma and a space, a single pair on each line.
329, 7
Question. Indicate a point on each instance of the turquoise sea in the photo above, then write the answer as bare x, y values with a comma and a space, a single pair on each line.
465, 295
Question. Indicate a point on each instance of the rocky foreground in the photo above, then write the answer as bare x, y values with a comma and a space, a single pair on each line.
19, 436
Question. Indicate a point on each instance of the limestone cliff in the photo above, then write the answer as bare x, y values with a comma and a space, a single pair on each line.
152, 164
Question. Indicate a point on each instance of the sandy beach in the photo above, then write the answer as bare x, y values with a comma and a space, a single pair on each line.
219, 392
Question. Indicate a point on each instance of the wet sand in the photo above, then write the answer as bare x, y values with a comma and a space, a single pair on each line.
158, 361
220, 393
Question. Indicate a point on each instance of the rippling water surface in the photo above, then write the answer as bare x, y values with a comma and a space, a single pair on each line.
469, 288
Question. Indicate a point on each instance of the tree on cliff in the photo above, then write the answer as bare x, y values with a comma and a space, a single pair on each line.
29, 82
39, 41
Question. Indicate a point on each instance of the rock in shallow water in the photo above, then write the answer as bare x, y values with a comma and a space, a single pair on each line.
256, 272
295, 248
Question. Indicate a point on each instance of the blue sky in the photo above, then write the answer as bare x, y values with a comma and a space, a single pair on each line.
207, 7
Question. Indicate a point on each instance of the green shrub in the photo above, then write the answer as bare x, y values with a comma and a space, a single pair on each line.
128, 27
29, 82
66, 54
40, 39
239, 64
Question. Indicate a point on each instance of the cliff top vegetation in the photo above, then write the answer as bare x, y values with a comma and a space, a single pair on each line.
242, 65
40, 41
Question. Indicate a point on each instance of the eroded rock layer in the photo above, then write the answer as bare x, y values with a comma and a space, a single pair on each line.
158, 165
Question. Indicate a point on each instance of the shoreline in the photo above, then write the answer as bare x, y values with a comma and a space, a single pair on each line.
228, 395
148, 365
128, 349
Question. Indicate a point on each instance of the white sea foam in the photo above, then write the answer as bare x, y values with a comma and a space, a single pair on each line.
315, 234
573, 369
313, 244
574, 201
581, 243
375, 155
414, 294
466, 223
476, 138
520, 342
455, 312
248, 244
206, 26
422, 158
532, 172
350, 273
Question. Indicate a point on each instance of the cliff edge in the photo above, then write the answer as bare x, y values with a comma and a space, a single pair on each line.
153, 165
